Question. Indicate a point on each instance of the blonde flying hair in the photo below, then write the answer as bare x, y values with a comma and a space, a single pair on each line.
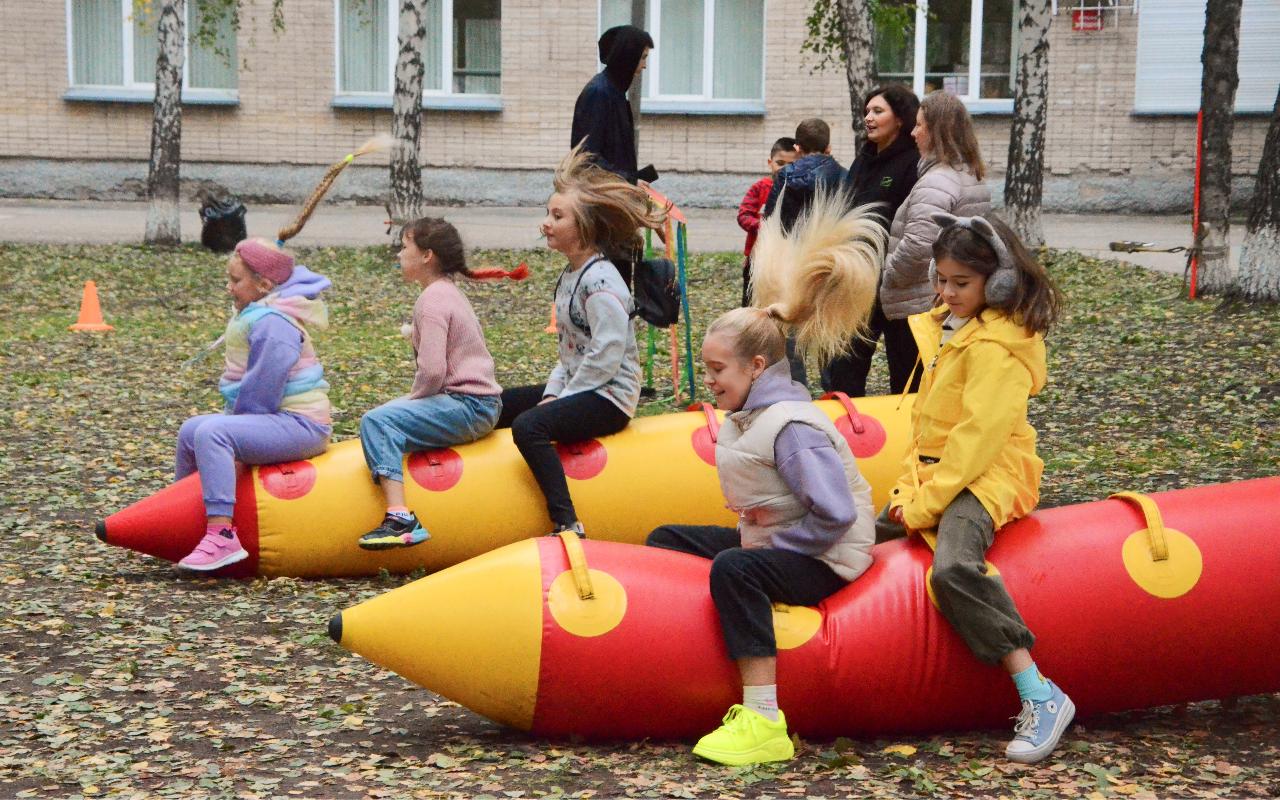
608, 212
818, 281
951, 135
294, 228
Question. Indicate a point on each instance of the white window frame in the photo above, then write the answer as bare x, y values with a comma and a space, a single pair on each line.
444, 98
653, 102
130, 90
975, 104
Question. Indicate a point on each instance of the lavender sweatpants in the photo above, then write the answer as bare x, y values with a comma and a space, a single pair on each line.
213, 443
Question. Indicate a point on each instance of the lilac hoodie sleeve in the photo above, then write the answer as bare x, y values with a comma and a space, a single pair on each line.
274, 347
812, 469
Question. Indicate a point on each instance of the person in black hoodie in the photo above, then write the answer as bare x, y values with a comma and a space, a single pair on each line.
602, 116
884, 173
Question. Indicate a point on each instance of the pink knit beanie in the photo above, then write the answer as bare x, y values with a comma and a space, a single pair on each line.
272, 264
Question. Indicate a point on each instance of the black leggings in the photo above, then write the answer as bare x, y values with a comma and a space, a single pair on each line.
848, 373
745, 583
534, 427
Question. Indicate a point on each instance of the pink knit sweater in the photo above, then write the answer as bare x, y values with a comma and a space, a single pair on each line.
451, 353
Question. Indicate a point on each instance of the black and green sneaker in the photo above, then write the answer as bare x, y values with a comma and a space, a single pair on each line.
395, 531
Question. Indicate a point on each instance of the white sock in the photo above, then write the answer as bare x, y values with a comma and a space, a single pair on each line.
762, 699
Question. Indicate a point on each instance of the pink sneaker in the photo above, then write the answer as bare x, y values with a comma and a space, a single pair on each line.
216, 550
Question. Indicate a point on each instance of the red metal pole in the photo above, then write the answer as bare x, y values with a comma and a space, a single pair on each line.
1195, 205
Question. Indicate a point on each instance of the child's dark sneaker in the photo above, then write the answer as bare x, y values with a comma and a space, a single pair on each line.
395, 531
1040, 725
219, 548
576, 527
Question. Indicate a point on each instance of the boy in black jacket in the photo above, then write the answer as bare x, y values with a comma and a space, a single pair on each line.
799, 182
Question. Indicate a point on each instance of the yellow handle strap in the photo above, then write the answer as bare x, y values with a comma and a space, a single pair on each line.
578, 565
1155, 523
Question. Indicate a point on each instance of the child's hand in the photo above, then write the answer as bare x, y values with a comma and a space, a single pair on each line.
895, 515
406, 330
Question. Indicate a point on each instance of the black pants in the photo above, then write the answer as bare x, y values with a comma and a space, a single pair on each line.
745, 583
848, 373
534, 427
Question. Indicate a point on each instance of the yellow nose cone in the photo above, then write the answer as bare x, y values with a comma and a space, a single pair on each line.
472, 633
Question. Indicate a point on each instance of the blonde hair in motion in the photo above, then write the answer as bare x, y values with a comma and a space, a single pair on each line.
607, 210
819, 281
291, 230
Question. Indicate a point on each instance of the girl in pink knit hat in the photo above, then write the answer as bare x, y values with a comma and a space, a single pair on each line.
276, 398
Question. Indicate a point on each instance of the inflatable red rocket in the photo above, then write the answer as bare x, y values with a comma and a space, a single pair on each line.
304, 518
1135, 601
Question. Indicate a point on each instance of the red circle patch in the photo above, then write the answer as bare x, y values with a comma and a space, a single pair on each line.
704, 445
867, 443
288, 481
436, 470
582, 460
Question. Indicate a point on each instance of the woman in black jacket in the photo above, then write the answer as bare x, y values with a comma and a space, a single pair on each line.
883, 173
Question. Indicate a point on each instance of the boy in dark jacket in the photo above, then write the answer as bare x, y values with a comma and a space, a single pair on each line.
815, 169
602, 116
782, 153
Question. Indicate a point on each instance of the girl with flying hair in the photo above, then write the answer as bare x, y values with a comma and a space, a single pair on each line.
806, 524
950, 182
592, 220
275, 396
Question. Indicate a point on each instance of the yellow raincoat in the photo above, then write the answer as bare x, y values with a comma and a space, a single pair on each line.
969, 423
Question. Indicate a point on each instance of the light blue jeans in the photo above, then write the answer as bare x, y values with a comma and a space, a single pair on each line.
405, 426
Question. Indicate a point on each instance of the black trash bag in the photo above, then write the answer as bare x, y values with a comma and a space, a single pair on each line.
656, 291
223, 223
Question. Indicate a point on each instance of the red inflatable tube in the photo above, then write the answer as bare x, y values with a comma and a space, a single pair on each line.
1128, 613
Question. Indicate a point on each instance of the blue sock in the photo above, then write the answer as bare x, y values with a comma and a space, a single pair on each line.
1032, 685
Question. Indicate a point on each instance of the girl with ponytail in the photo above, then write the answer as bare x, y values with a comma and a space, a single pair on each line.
276, 398
806, 523
455, 398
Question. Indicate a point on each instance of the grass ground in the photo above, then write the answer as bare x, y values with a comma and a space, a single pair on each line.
116, 678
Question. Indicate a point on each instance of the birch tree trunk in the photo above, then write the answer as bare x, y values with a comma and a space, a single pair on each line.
406, 123
858, 47
1260, 256
638, 14
163, 224
1217, 102
1024, 177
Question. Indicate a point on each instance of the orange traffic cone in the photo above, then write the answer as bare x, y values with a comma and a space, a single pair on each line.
551, 326
90, 311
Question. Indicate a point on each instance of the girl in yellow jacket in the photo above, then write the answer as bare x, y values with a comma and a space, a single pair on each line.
972, 465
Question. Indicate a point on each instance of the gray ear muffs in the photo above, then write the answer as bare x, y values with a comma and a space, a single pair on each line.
933, 273
1002, 285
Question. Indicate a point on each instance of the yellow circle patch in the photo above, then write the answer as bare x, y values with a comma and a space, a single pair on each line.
587, 618
992, 572
1173, 577
794, 625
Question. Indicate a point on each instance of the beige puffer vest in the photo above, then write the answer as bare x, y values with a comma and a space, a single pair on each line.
765, 504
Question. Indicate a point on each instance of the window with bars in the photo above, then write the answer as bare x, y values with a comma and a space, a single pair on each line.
706, 52
112, 45
966, 47
462, 51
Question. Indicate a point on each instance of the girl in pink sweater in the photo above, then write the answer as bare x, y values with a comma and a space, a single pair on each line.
455, 398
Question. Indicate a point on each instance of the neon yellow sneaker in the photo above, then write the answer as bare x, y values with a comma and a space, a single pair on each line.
746, 737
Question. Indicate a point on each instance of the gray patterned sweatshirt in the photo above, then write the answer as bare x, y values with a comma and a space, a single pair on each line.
598, 350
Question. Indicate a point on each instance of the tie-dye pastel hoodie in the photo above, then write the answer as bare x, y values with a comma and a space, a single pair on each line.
271, 364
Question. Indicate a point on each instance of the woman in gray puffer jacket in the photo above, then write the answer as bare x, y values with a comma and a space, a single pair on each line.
951, 172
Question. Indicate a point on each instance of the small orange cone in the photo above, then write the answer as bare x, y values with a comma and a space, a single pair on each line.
551, 326
90, 311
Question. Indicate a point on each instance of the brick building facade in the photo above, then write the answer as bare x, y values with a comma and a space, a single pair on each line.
286, 113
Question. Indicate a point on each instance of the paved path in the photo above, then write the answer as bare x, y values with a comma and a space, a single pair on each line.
710, 229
